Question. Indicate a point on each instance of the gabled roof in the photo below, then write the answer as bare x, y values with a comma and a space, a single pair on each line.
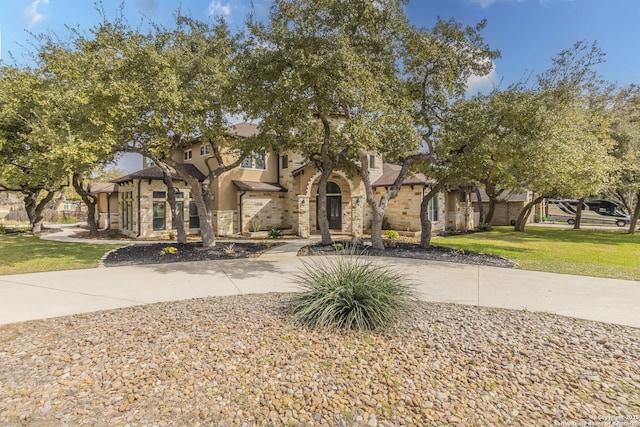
244, 129
154, 172
264, 187
390, 173
102, 187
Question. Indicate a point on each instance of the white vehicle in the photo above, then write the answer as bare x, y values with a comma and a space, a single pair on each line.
593, 211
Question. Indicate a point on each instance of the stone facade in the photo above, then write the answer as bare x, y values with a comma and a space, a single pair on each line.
224, 222
403, 212
264, 211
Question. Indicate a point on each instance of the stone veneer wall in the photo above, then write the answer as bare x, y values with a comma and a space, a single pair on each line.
403, 212
224, 222
264, 211
505, 212
146, 209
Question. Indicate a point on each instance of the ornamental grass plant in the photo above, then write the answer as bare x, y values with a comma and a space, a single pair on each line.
349, 292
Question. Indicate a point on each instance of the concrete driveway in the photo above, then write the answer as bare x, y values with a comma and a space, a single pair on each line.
41, 295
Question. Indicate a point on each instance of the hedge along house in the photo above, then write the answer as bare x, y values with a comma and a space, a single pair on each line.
271, 190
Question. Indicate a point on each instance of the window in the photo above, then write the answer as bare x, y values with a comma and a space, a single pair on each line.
194, 219
159, 215
205, 149
433, 208
160, 195
188, 154
285, 161
127, 210
372, 161
179, 195
255, 161
333, 188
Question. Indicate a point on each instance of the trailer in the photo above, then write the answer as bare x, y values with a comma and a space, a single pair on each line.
593, 212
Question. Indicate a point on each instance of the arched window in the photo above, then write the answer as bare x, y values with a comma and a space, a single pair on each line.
333, 188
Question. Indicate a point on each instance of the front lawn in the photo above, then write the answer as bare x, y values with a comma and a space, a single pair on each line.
29, 254
584, 252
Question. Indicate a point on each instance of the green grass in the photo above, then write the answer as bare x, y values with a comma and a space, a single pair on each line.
30, 254
583, 252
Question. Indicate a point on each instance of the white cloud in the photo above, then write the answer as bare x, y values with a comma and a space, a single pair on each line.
482, 84
487, 3
33, 13
217, 8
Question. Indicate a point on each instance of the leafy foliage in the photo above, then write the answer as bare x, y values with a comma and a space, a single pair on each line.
349, 292
391, 234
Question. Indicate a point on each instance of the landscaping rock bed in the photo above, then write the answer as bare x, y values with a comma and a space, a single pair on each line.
238, 361
158, 253
411, 250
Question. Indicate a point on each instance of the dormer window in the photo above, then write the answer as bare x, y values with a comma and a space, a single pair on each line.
205, 150
372, 161
188, 154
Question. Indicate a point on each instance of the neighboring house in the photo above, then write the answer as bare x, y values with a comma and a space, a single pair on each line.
107, 205
508, 208
277, 190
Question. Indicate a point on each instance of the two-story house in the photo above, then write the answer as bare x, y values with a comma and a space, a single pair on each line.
277, 190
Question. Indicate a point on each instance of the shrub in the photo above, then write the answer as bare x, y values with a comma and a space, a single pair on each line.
2, 229
229, 249
276, 233
391, 234
169, 250
349, 292
338, 246
485, 226
114, 234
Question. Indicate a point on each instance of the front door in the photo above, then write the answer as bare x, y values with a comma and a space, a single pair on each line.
334, 212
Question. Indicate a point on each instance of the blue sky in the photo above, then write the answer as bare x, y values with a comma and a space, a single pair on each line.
527, 32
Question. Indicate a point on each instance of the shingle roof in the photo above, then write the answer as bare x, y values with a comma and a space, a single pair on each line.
390, 172
265, 187
154, 172
102, 187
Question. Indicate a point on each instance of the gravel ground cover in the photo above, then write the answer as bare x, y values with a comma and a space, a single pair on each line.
411, 250
238, 361
156, 253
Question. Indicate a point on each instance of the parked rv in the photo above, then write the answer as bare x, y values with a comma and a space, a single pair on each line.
593, 211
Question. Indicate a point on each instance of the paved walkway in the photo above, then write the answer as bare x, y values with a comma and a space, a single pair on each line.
41, 295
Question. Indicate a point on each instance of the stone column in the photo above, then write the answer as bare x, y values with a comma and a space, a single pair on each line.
303, 216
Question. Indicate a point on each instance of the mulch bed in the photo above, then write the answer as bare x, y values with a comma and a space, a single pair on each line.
154, 254
411, 250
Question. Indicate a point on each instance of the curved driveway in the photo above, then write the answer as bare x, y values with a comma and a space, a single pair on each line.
41, 295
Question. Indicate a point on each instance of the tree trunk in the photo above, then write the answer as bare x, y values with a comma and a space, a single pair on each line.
492, 193
521, 222
493, 201
90, 201
177, 215
323, 221
201, 195
425, 222
35, 209
576, 225
635, 215
376, 228
480, 206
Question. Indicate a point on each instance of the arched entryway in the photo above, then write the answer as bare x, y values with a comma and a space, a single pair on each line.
334, 206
